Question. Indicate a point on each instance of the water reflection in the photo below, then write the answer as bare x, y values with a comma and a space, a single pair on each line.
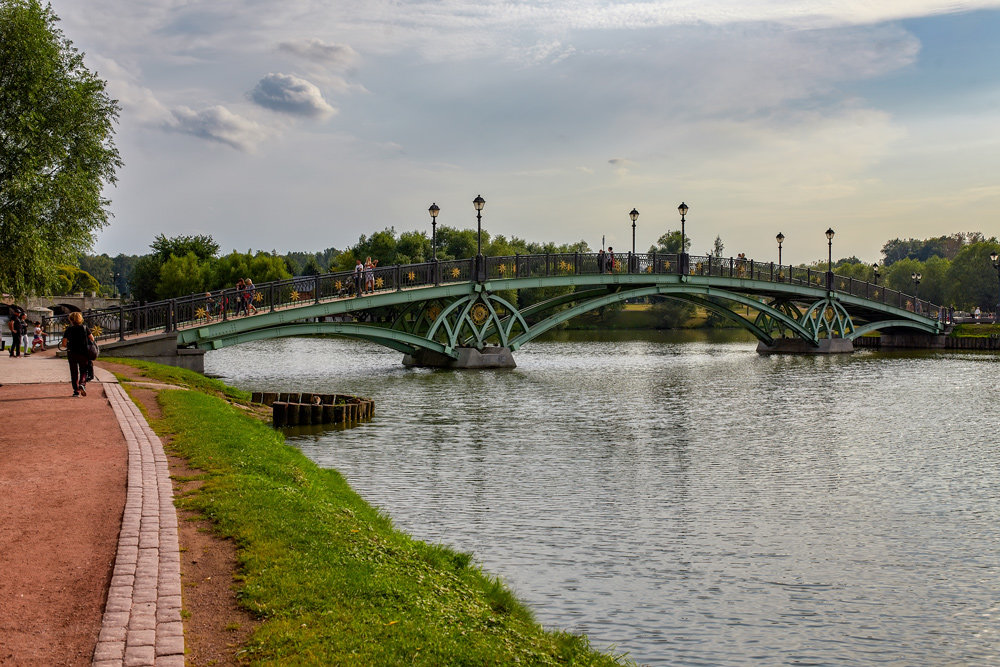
688, 500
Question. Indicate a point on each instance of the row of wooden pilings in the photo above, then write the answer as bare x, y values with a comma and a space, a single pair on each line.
295, 409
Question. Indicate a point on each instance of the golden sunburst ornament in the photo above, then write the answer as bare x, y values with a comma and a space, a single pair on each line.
258, 297
479, 313
455, 272
379, 282
502, 269
294, 295
96, 330
339, 285
411, 276
201, 313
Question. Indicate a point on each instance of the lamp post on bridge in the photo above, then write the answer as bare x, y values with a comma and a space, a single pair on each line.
995, 258
780, 238
634, 214
479, 202
915, 277
434, 210
683, 209
829, 258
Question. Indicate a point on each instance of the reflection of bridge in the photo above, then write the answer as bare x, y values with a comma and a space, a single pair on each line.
439, 314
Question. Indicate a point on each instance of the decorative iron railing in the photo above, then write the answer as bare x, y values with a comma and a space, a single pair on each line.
198, 309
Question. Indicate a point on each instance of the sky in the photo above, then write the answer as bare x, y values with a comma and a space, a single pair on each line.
303, 124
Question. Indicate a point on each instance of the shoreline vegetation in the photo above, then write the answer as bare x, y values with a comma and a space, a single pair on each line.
328, 576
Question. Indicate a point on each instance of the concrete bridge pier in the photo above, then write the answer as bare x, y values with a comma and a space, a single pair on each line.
161, 349
468, 357
799, 346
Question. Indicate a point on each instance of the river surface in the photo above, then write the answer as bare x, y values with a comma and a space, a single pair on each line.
684, 500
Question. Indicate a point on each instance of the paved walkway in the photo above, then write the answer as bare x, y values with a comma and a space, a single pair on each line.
142, 617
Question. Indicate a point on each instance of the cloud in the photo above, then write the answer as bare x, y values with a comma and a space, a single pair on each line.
218, 124
338, 56
290, 94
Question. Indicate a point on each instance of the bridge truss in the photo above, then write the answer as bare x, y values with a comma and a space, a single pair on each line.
433, 311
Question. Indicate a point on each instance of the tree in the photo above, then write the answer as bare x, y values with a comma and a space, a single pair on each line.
56, 149
312, 267
972, 278
671, 242
202, 245
184, 275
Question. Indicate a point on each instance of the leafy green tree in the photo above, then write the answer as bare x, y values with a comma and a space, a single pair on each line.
312, 267
180, 276
145, 278
413, 248
671, 242
972, 278
72, 280
56, 148
202, 245
99, 266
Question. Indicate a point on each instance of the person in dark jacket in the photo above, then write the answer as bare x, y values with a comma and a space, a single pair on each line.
75, 339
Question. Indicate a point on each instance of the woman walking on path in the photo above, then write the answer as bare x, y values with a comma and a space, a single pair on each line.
75, 340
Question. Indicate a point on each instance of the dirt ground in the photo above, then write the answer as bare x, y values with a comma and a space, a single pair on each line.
63, 467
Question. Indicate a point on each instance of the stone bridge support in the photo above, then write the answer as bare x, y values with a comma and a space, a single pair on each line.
160, 348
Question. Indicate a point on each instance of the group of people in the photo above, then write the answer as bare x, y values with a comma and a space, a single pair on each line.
364, 276
246, 294
19, 327
606, 260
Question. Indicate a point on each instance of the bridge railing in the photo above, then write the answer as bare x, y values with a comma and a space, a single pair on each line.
198, 309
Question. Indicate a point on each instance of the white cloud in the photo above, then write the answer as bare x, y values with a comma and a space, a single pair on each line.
339, 56
290, 94
218, 124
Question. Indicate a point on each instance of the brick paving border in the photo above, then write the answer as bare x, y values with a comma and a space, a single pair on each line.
142, 619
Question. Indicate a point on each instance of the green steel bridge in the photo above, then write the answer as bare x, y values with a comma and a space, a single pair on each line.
473, 312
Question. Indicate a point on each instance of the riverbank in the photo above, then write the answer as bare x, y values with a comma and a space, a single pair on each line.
327, 576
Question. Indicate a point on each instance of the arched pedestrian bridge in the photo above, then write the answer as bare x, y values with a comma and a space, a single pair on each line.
469, 313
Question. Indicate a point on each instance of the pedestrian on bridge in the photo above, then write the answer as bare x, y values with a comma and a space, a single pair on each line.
250, 293
359, 270
241, 302
600, 261
610, 258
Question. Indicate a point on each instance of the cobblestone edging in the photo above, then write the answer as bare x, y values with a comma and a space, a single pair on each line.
142, 619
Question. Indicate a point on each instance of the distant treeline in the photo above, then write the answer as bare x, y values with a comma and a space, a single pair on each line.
954, 270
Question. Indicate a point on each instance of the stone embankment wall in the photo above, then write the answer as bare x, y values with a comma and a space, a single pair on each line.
991, 342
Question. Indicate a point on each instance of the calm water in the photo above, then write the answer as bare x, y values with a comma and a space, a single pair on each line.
690, 502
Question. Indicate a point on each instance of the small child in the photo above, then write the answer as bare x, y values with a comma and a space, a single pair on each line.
38, 342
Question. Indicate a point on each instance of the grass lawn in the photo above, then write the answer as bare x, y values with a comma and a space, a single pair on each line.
331, 579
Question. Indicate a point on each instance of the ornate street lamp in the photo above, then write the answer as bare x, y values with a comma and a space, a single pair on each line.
995, 258
875, 269
634, 214
683, 209
829, 257
915, 277
780, 238
479, 203
434, 210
